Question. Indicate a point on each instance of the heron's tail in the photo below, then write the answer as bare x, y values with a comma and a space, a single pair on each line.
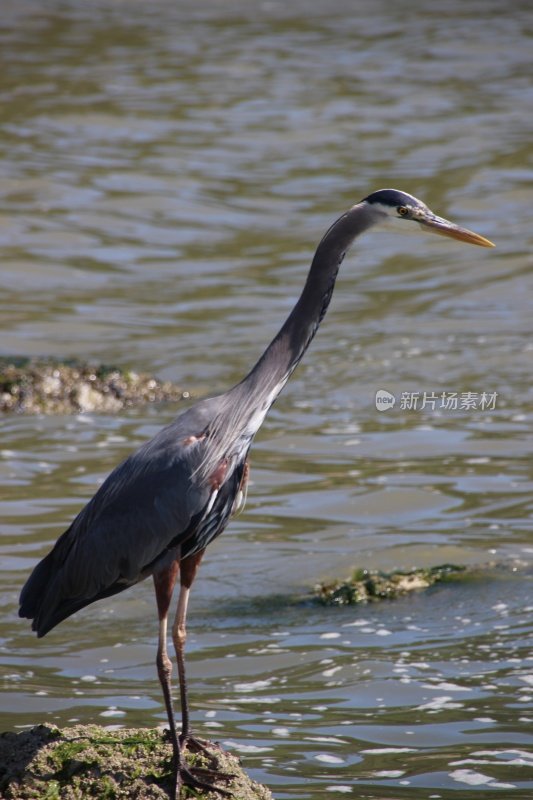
35, 601
47, 597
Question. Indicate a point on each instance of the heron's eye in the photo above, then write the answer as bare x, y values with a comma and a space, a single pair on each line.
402, 211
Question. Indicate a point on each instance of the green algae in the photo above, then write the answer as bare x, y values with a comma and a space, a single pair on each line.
93, 762
367, 586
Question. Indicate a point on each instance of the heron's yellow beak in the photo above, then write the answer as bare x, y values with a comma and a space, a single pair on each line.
443, 227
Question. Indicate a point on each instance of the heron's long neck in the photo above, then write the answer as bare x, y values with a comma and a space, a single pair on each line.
266, 379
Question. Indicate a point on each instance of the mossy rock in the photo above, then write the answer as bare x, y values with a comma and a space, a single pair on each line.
367, 586
45, 386
88, 761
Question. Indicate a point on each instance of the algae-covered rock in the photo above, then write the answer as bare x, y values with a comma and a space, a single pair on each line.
45, 763
46, 386
366, 586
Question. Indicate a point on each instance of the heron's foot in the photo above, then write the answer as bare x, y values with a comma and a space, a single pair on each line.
199, 778
208, 750
196, 745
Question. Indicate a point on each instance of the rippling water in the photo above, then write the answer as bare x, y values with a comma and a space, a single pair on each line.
167, 169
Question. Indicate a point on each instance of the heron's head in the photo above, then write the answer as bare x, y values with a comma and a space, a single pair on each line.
391, 204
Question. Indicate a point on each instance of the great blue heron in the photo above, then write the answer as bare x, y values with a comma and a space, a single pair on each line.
157, 511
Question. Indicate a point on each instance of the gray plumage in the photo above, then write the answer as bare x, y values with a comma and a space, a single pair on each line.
150, 508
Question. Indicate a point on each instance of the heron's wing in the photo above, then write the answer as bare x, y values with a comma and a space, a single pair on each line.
150, 504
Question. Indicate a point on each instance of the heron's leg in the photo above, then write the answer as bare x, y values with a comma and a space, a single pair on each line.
164, 582
164, 585
188, 568
201, 777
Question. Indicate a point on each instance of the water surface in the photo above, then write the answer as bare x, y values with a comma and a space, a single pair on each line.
167, 170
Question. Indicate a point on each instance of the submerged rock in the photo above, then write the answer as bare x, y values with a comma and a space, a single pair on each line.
366, 586
90, 761
36, 386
